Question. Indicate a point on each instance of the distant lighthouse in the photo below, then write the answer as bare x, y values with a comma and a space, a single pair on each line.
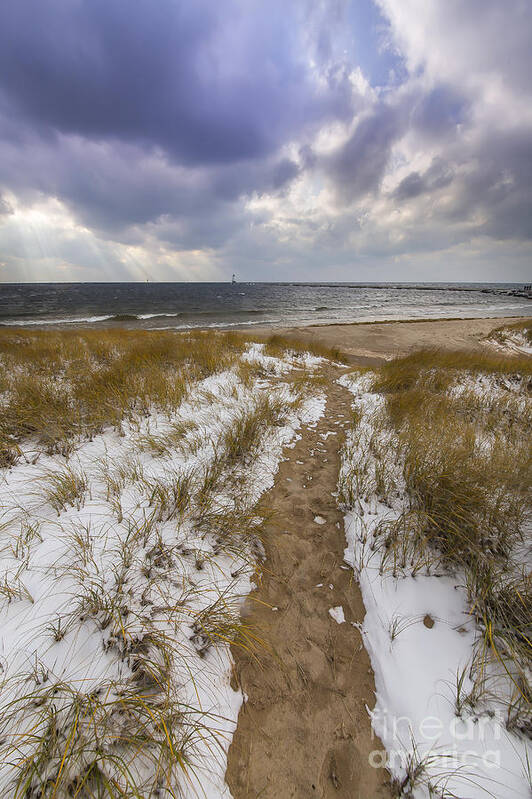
233, 279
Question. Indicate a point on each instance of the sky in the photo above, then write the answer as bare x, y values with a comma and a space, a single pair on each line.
303, 140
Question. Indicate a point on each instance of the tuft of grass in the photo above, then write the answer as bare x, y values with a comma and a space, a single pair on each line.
9, 451
220, 622
231, 527
242, 439
173, 438
469, 501
112, 741
22, 542
171, 496
39, 405
64, 488
277, 345
13, 589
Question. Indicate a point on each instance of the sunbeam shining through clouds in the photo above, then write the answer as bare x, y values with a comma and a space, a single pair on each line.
345, 140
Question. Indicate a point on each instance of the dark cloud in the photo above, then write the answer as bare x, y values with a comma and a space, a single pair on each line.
207, 82
411, 186
437, 176
498, 190
357, 167
135, 112
439, 111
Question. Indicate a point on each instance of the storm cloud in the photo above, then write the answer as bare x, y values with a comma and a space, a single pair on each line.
266, 135
206, 82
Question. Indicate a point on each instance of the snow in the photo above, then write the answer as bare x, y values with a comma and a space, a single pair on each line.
276, 366
337, 614
417, 665
272, 366
126, 545
513, 341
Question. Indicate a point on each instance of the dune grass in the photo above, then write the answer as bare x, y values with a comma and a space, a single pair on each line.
501, 334
403, 374
63, 488
466, 458
59, 388
62, 387
98, 744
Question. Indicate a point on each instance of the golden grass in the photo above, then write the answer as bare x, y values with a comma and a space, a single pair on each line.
220, 622
65, 487
61, 387
404, 373
242, 438
467, 468
98, 744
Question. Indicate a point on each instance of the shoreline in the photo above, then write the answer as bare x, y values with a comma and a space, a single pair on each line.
135, 321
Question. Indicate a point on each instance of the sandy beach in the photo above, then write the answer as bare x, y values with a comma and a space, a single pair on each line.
372, 342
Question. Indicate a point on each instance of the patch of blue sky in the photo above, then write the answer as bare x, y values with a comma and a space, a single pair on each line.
376, 55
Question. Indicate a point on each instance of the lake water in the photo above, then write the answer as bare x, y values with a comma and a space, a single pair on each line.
222, 305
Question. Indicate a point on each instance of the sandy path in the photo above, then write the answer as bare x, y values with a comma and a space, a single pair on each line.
304, 730
371, 342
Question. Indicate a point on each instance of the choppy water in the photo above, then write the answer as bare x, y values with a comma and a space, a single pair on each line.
222, 305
